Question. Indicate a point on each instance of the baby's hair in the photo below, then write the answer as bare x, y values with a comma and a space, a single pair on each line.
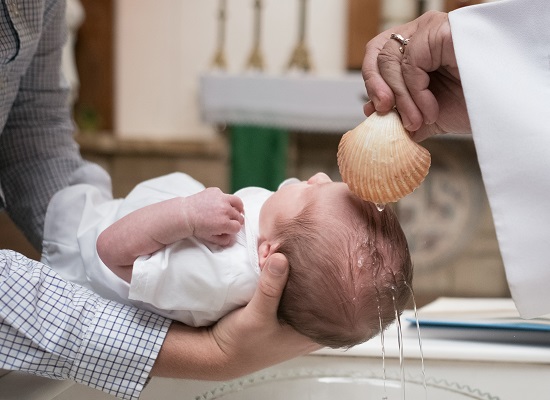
349, 271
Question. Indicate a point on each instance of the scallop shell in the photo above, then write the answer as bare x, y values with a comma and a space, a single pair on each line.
379, 161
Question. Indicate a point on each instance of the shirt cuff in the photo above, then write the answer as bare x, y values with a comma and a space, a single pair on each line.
119, 349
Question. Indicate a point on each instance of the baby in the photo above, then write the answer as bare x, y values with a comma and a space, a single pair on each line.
350, 268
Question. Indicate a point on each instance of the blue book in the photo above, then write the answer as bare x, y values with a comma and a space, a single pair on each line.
480, 319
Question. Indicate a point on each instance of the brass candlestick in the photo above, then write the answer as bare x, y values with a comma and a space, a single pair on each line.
219, 61
300, 56
256, 60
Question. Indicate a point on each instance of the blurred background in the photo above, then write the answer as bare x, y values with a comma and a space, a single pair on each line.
249, 92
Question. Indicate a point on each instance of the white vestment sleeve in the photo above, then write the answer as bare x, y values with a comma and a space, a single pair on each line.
503, 54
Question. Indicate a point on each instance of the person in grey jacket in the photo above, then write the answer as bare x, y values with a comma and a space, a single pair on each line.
57, 329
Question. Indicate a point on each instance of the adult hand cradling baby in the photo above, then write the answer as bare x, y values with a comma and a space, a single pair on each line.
241, 342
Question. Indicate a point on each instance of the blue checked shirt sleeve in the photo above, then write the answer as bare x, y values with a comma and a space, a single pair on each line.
56, 329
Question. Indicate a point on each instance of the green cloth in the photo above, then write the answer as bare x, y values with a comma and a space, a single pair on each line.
258, 156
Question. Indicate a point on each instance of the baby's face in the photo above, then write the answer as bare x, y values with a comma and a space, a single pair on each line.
290, 200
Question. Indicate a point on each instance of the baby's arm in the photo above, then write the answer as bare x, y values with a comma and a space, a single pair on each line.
210, 215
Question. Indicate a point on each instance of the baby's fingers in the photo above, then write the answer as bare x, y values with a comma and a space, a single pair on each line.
222, 240
236, 203
232, 227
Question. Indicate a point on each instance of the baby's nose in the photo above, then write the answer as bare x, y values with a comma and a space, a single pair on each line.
319, 177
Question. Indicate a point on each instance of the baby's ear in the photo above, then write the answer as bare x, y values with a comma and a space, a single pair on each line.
265, 249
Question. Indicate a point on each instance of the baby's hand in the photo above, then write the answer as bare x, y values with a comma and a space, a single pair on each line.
214, 216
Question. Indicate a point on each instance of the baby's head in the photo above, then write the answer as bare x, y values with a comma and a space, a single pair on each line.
350, 267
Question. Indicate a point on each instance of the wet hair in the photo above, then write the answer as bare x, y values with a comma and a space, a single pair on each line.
350, 272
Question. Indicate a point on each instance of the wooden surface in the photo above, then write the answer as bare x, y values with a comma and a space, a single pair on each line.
363, 25
454, 4
94, 59
12, 238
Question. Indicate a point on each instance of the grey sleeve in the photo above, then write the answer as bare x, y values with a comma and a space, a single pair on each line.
38, 153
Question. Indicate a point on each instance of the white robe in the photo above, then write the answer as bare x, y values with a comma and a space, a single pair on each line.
503, 54
188, 281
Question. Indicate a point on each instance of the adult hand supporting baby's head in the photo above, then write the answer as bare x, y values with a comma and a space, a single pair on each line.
244, 341
252, 337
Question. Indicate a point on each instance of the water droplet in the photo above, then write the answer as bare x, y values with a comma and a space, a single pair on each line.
419, 341
383, 349
400, 346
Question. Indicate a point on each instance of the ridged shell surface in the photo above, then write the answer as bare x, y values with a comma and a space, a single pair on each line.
379, 161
